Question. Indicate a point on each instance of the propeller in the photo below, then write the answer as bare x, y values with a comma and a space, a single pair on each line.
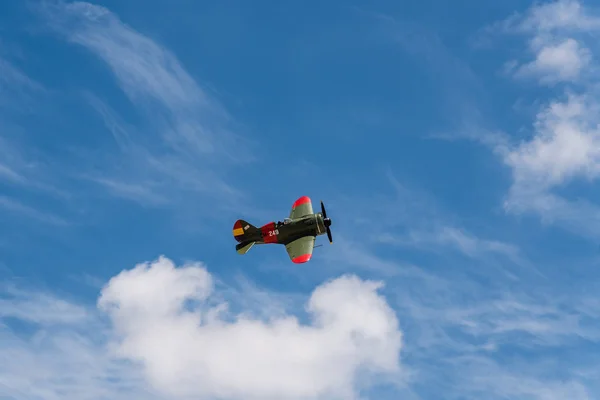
326, 222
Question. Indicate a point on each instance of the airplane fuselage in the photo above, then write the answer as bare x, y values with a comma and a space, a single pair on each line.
297, 233
287, 232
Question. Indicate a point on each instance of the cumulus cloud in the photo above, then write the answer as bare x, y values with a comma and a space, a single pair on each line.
555, 27
565, 14
562, 61
198, 353
565, 141
171, 327
566, 144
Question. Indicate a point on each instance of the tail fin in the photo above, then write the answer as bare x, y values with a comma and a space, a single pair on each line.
242, 248
244, 231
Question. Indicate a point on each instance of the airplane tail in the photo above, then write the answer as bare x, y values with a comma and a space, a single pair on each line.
245, 232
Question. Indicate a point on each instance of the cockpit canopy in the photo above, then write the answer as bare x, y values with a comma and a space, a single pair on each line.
287, 221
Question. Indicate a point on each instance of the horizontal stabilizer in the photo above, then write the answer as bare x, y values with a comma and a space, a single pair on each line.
242, 248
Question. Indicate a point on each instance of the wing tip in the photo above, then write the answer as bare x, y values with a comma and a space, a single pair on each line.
301, 259
300, 201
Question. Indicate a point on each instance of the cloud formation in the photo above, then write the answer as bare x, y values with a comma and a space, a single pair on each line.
172, 325
556, 62
182, 142
555, 39
565, 142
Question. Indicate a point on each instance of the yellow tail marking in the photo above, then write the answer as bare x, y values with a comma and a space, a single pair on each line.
238, 232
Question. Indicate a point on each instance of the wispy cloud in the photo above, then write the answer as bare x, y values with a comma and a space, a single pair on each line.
57, 335
413, 219
489, 379
7, 173
19, 167
462, 91
38, 307
14, 84
183, 144
16, 88
20, 164
484, 318
453, 238
16, 206
459, 330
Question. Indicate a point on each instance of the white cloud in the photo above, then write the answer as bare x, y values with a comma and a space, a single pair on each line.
170, 327
561, 14
556, 40
563, 61
352, 328
565, 144
166, 332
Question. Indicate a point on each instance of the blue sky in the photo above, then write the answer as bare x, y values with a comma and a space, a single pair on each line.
456, 147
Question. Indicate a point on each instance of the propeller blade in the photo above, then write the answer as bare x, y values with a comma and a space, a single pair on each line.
327, 222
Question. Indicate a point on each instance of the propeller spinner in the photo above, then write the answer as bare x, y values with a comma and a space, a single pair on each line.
326, 222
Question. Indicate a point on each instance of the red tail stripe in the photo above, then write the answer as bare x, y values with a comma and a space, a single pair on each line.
268, 226
265, 229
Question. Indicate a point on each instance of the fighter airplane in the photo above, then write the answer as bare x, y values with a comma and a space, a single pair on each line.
297, 233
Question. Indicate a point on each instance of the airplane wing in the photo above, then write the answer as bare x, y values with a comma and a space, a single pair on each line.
301, 207
300, 250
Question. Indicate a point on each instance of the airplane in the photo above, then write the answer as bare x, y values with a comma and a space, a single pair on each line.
297, 233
